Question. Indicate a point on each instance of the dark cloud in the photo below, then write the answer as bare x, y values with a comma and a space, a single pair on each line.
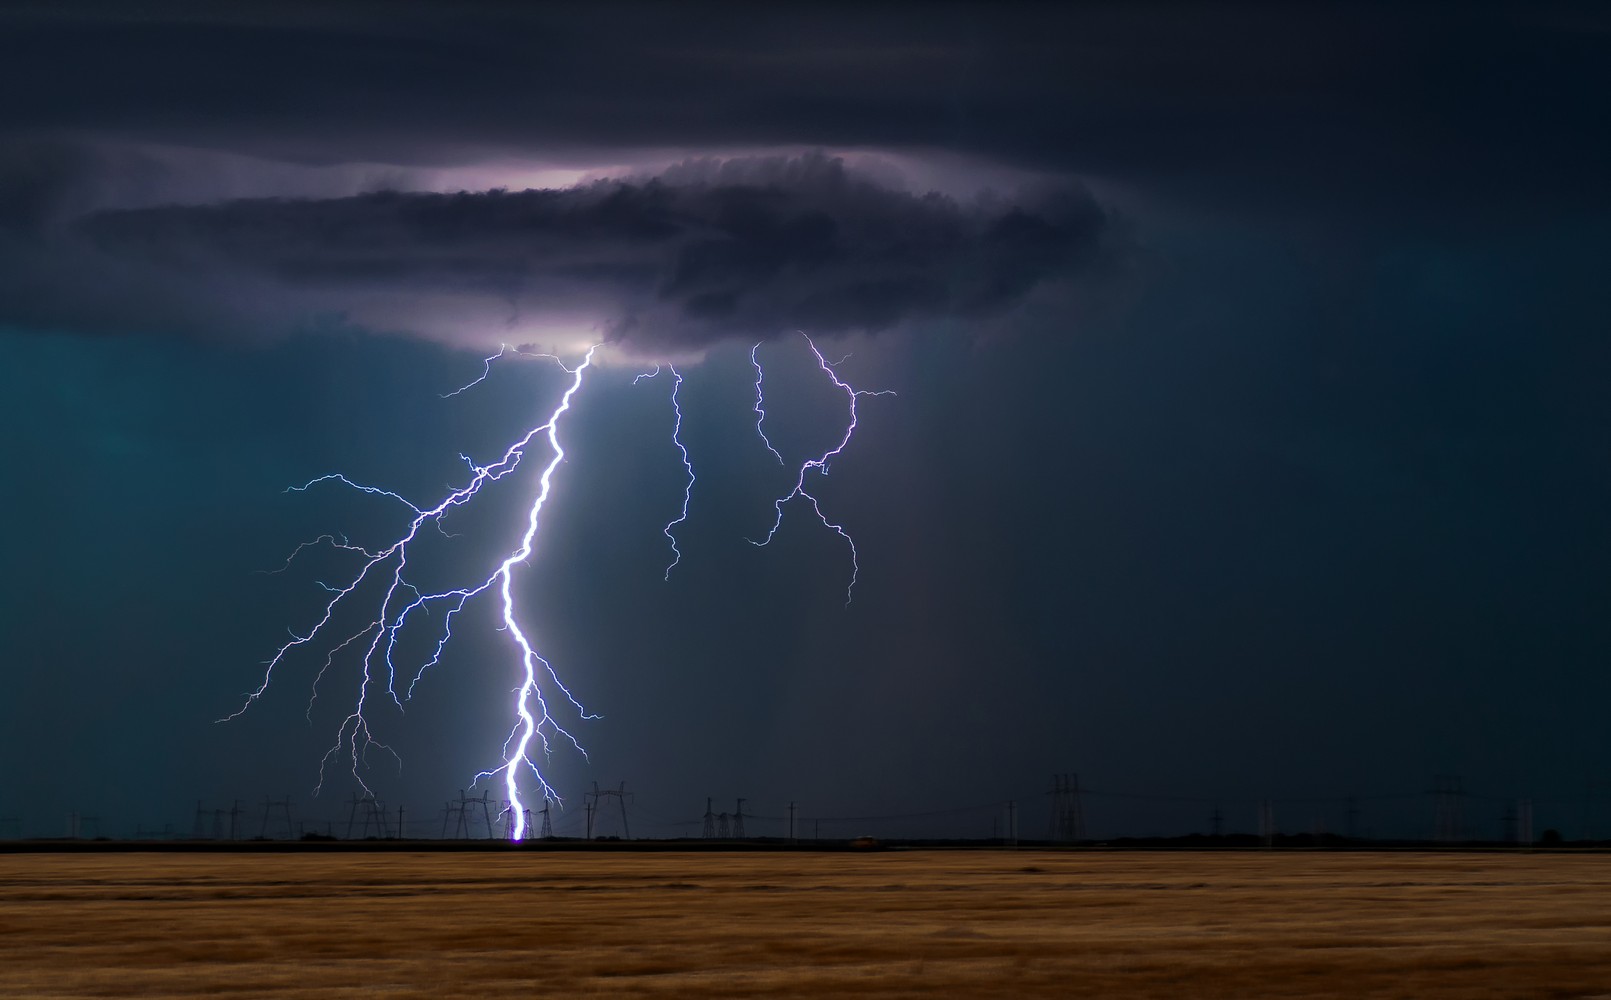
705, 250
1338, 117
36, 182
1334, 106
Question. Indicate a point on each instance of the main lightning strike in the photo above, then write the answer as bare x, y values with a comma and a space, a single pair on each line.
820, 463
530, 725
401, 599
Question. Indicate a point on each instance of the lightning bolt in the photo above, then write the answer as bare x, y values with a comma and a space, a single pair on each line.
687, 464
818, 464
530, 725
400, 600
504, 350
385, 569
760, 412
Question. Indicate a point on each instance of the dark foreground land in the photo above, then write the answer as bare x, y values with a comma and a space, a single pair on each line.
894, 924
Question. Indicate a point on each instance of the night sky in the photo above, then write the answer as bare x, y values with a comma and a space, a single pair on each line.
1251, 437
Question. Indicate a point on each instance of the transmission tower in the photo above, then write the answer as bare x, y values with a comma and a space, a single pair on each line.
280, 809
721, 827
710, 821
548, 826
373, 813
621, 795
461, 815
1068, 817
507, 814
486, 812
738, 821
83, 827
209, 823
1448, 794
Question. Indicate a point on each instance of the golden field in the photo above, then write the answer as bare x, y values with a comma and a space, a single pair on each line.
896, 924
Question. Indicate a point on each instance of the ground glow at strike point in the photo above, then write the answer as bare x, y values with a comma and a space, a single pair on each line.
533, 723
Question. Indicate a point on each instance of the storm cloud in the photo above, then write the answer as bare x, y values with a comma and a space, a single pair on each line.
256, 169
1404, 107
705, 250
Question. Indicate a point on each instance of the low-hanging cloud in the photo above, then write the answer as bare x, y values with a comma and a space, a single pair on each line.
704, 251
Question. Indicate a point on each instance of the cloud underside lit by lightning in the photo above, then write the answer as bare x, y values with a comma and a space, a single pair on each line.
533, 725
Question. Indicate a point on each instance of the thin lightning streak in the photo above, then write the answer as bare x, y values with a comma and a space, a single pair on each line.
820, 464
688, 487
760, 413
401, 599
687, 464
486, 368
339, 478
334, 541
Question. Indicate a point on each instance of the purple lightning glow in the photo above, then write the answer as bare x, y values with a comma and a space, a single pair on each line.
820, 464
401, 599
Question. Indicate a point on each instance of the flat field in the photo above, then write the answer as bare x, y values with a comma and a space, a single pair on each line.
896, 924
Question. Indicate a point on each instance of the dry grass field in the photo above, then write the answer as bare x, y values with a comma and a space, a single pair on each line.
898, 924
